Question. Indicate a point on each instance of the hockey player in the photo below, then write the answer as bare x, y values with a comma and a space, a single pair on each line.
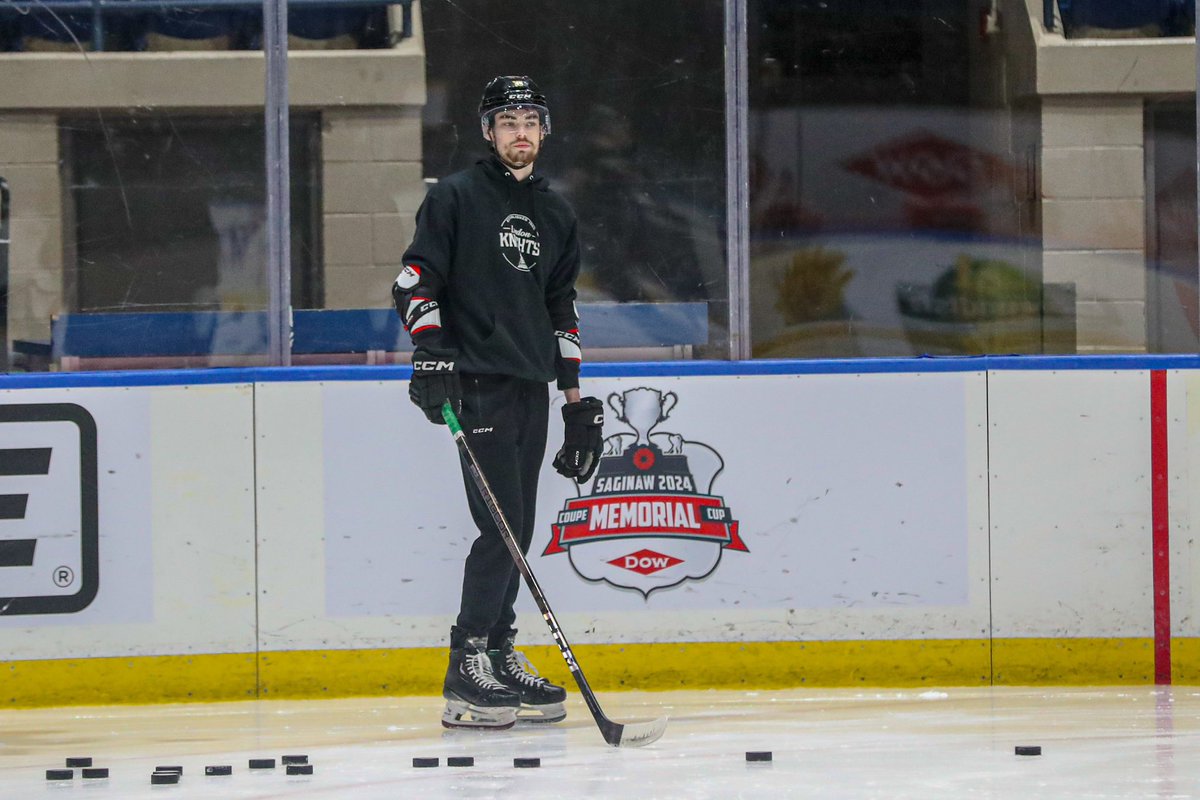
487, 292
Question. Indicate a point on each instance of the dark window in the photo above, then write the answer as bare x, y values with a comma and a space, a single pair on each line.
1174, 302
169, 213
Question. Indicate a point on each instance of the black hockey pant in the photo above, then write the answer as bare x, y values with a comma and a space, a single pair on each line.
505, 421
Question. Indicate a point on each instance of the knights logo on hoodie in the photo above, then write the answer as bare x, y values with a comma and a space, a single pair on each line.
519, 243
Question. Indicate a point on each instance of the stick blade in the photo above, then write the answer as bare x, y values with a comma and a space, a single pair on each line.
636, 734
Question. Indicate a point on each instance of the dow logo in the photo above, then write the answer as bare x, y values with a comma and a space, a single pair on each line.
49, 528
645, 562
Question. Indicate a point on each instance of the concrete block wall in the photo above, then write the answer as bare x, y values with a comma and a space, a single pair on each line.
372, 188
29, 162
1094, 215
1092, 95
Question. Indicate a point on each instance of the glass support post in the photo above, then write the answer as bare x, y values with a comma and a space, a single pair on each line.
737, 178
278, 174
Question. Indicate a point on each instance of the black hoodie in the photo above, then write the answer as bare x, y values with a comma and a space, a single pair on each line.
501, 258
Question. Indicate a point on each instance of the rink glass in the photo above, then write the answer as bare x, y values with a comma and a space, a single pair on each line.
756, 179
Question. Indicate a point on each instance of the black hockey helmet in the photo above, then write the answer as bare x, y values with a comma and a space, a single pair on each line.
512, 91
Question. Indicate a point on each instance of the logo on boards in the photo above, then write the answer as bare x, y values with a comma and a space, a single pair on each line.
49, 536
651, 519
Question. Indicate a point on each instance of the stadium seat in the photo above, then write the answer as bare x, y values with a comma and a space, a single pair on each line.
1116, 18
316, 28
10, 31
189, 29
332, 28
60, 31
1184, 18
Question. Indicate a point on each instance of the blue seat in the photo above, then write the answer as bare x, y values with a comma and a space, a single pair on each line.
42, 30
332, 28
326, 23
167, 339
189, 29
1083, 16
190, 23
1184, 18
10, 31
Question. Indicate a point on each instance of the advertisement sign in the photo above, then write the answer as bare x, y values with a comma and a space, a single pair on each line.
880, 232
802, 492
75, 500
49, 557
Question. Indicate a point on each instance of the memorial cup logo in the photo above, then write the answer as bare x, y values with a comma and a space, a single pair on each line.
519, 242
651, 520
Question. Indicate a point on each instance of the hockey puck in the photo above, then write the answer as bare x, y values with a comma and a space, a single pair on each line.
294, 759
426, 762
1029, 750
95, 772
164, 777
262, 763
80, 761
60, 774
176, 770
758, 755
460, 761
219, 769
527, 763
299, 769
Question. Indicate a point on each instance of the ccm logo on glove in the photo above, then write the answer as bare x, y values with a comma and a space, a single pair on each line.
583, 439
435, 382
433, 366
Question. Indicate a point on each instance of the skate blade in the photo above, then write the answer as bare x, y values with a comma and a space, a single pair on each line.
465, 715
541, 715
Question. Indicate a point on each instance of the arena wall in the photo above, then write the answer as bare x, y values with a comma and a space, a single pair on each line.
300, 533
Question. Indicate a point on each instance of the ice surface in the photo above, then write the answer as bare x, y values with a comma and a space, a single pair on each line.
1135, 742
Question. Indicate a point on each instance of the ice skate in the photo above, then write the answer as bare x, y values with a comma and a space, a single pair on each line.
541, 700
474, 697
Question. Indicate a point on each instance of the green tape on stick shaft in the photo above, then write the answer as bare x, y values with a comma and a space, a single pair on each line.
451, 419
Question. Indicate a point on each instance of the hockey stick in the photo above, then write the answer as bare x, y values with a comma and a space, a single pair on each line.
633, 734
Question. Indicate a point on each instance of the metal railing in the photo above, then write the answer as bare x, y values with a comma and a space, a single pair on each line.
101, 7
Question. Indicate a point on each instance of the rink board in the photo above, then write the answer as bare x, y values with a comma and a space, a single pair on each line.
301, 532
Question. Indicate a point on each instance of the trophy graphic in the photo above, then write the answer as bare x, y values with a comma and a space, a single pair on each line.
642, 409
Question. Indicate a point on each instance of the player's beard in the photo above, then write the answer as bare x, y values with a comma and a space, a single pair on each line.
517, 158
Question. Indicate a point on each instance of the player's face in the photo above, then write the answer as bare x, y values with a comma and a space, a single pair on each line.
517, 135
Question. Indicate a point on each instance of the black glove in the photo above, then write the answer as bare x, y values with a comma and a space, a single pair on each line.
434, 381
583, 440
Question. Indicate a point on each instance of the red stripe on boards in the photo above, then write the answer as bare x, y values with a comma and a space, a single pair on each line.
1160, 521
